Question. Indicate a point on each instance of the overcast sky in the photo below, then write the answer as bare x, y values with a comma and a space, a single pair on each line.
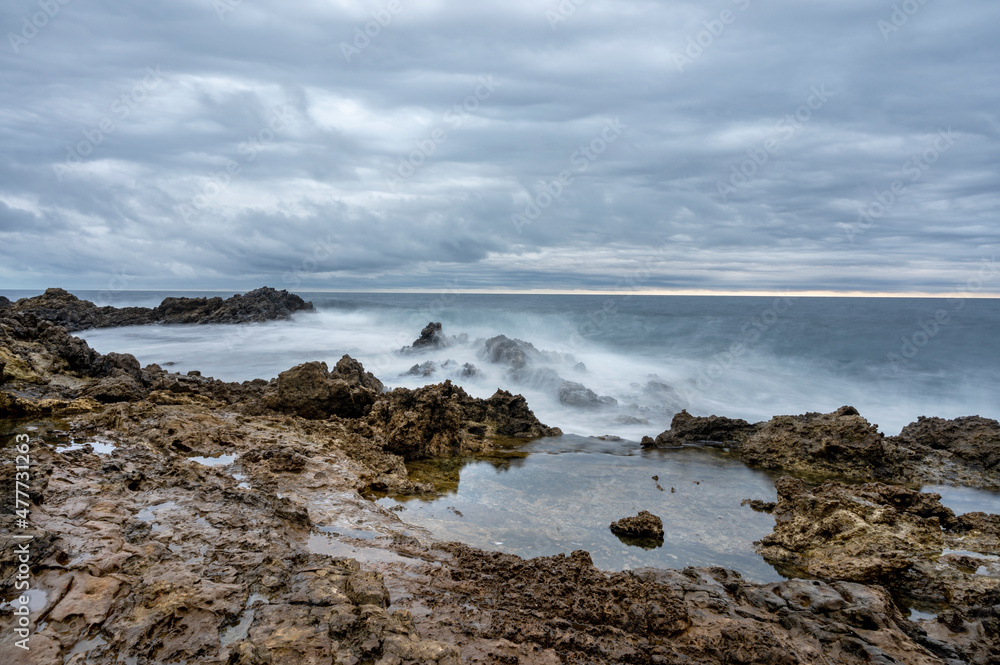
722, 145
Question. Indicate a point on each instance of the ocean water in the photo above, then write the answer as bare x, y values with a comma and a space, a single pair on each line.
750, 357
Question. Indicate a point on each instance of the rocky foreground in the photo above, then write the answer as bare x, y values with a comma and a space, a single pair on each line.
194, 520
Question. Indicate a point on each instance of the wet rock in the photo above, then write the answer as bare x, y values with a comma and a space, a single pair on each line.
759, 505
310, 390
576, 394
442, 419
431, 337
644, 526
685, 428
842, 443
514, 353
425, 369
867, 533
469, 371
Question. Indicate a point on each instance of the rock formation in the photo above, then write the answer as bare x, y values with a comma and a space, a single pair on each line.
64, 309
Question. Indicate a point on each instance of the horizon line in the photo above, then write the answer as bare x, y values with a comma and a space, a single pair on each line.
790, 293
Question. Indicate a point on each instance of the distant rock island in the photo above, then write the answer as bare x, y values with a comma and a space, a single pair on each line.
62, 308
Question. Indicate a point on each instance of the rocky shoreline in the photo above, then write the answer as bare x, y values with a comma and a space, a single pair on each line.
195, 520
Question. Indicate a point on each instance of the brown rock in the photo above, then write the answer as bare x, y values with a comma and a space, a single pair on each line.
839, 443
645, 525
685, 428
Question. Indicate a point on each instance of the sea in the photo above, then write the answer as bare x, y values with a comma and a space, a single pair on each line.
618, 367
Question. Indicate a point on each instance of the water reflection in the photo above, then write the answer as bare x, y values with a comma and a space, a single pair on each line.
561, 494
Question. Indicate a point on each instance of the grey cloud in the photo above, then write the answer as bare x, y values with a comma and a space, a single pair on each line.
311, 203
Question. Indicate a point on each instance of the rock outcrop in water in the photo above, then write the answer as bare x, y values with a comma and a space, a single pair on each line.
64, 309
443, 419
644, 526
845, 444
688, 429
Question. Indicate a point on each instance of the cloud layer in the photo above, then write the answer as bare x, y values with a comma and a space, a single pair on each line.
581, 144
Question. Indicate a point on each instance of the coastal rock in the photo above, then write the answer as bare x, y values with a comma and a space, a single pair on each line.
578, 395
431, 337
862, 533
62, 308
644, 526
514, 353
685, 428
966, 447
841, 443
310, 390
119, 387
442, 419
901, 539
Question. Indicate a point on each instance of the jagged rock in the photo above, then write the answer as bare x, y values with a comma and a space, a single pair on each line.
645, 526
841, 443
685, 428
469, 371
62, 308
310, 390
431, 337
425, 369
972, 439
442, 419
514, 353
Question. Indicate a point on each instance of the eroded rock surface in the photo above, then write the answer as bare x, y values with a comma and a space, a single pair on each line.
901, 539
644, 526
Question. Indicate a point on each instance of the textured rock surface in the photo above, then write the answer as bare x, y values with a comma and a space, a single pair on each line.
645, 525
64, 309
685, 428
840, 443
901, 539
